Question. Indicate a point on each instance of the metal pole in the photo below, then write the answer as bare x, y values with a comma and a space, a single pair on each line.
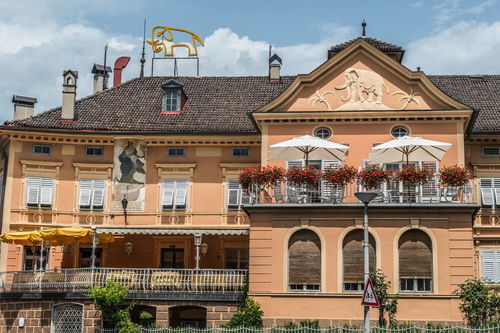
366, 255
197, 257
92, 256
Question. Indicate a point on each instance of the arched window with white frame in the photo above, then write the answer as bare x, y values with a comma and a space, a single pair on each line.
415, 262
304, 261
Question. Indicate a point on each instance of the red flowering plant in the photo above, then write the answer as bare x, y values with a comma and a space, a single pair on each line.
412, 176
339, 177
372, 176
454, 175
308, 176
261, 177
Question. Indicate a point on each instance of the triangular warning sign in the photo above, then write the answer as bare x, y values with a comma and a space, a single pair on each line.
369, 296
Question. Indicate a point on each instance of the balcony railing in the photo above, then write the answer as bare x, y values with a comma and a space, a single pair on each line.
138, 280
388, 193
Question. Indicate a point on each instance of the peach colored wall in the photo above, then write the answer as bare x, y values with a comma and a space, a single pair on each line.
450, 231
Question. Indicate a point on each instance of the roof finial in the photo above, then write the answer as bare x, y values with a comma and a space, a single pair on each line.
363, 33
143, 59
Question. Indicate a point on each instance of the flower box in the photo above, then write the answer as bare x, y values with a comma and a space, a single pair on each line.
372, 177
454, 176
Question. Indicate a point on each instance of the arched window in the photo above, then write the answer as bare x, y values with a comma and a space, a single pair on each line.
67, 318
415, 261
304, 261
353, 259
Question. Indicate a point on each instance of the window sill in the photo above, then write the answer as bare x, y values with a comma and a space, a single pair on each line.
170, 112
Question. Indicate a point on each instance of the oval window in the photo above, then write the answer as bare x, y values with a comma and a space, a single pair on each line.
323, 132
399, 132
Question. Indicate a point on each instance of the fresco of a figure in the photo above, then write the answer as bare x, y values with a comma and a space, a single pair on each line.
129, 174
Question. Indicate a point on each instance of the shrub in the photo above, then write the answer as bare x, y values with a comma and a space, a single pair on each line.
339, 177
454, 176
479, 304
109, 299
308, 176
387, 304
372, 177
250, 315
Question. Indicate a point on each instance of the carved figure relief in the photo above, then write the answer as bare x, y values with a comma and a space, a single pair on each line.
129, 174
365, 90
407, 97
318, 97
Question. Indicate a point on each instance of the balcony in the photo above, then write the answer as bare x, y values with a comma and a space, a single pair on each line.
431, 193
142, 283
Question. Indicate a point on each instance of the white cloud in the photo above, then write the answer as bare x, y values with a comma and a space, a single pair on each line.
453, 9
464, 48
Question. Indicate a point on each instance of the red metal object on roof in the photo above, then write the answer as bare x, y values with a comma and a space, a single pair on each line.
120, 64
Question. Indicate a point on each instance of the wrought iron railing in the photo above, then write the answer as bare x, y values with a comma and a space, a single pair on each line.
390, 192
138, 280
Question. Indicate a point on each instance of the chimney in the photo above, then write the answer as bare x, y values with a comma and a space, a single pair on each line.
69, 95
275, 68
100, 77
23, 106
120, 64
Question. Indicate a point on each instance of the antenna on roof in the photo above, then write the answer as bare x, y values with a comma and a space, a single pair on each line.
143, 56
269, 58
363, 33
105, 73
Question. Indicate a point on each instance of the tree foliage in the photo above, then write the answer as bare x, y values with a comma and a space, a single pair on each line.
250, 315
388, 304
109, 299
479, 304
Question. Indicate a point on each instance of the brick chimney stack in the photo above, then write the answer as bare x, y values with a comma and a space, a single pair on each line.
69, 95
24, 107
275, 63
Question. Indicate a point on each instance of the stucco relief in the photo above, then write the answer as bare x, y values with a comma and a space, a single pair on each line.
407, 98
129, 174
321, 98
364, 90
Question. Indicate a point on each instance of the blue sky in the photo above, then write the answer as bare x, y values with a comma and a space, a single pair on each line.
41, 38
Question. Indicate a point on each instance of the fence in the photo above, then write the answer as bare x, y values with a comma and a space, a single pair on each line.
339, 329
138, 280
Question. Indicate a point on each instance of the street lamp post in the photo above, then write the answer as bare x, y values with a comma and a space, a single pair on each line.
366, 198
197, 243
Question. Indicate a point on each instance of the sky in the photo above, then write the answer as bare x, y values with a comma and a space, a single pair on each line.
41, 38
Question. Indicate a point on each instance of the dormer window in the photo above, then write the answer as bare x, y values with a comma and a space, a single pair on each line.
172, 97
172, 101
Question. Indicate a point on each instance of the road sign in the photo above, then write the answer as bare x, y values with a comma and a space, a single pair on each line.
369, 296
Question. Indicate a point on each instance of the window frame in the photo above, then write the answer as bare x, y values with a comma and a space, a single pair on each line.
495, 264
177, 149
494, 191
330, 132
35, 258
305, 287
241, 260
93, 188
415, 279
174, 206
42, 146
40, 192
407, 129
497, 155
94, 155
242, 197
233, 149
168, 97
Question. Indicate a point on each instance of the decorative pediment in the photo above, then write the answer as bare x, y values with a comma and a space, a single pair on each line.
362, 78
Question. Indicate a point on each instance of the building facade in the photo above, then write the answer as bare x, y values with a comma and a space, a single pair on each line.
155, 162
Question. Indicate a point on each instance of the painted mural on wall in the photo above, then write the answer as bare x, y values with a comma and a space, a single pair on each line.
129, 174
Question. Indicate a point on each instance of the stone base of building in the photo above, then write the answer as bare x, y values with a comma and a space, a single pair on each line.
37, 316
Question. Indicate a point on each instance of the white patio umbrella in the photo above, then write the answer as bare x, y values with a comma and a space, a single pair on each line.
307, 147
407, 148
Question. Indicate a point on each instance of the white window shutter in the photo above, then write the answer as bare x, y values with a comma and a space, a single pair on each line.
291, 190
33, 190
181, 187
85, 192
491, 265
245, 197
168, 192
496, 189
326, 190
46, 191
429, 189
487, 197
233, 193
99, 187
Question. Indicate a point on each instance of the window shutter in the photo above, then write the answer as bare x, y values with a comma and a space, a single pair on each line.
33, 190
291, 190
233, 193
245, 197
488, 265
487, 198
181, 187
98, 192
429, 190
415, 255
85, 192
326, 190
46, 191
168, 192
304, 258
496, 189
352, 251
